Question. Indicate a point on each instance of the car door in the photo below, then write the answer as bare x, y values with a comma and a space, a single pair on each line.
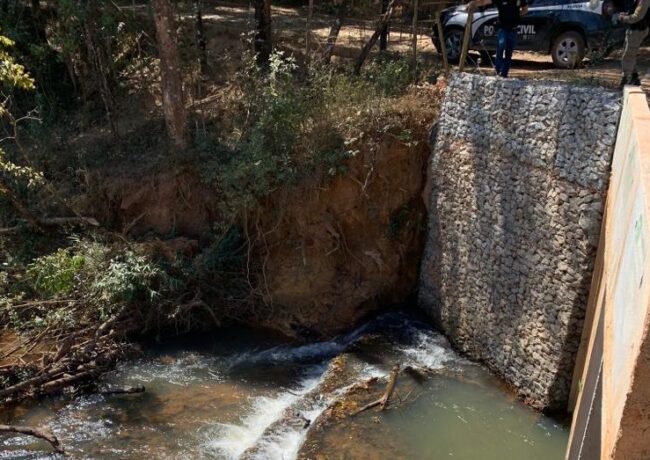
534, 33
484, 28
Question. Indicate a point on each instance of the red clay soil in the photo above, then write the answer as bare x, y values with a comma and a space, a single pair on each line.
337, 252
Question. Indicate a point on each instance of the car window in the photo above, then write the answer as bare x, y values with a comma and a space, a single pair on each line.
541, 3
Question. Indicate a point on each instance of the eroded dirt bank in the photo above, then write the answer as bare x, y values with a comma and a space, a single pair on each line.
320, 254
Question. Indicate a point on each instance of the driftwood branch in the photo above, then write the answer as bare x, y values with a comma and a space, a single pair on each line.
41, 433
80, 356
383, 401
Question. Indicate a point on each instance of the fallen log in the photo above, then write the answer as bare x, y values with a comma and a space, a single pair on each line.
41, 433
383, 401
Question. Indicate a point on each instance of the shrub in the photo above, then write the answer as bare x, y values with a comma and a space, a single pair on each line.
391, 77
98, 279
56, 274
289, 126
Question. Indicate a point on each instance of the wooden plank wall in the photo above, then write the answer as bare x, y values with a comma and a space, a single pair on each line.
619, 304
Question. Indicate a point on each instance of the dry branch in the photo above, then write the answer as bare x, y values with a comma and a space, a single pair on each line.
41, 223
81, 356
383, 401
41, 433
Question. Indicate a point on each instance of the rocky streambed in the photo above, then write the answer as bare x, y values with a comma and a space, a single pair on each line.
242, 394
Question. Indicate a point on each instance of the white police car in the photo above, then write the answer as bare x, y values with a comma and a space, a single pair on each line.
565, 29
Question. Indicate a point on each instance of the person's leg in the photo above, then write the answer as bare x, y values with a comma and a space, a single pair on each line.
633, 40
501, 47
511, 42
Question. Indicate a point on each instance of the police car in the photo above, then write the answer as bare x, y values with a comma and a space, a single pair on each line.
565, 29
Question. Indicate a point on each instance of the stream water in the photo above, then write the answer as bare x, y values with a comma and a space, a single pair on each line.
239, 394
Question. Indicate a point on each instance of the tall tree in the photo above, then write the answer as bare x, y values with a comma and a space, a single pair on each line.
263, 38
170, 72
200, 36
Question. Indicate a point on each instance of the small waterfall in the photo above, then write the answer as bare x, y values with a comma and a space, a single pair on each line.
274, 427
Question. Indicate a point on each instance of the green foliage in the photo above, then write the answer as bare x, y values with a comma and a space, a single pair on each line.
293, 126
391, 77
56, 274
12, 74
99, 279
224, 254
273, 142
127, 277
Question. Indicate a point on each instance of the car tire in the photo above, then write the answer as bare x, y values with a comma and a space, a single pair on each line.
568, 50
454, 44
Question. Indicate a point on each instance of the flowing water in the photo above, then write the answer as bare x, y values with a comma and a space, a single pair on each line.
242, 395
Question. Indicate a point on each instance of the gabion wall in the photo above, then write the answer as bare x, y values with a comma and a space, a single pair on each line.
519, 174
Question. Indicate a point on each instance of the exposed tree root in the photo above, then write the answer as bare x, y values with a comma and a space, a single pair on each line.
41, 433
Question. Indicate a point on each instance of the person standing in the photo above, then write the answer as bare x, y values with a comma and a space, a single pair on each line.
510, 12
637, 20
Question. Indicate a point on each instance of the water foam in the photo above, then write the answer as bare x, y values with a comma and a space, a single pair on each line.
233, 440
266, 432
429, 349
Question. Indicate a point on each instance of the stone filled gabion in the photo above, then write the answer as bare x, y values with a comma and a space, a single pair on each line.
519, 174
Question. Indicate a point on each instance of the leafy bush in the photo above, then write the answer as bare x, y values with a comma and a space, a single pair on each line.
56, 274
390, 76
273, 143
98, 278
127, 278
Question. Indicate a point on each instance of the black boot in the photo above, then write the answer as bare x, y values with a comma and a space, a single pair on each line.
635, 80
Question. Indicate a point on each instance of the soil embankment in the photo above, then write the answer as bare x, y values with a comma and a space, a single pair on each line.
327, 252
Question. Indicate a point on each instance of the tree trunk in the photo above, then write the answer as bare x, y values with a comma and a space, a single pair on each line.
333, 36
170, 73
37, 18
368, 46
383, 38
263, 38
200, 36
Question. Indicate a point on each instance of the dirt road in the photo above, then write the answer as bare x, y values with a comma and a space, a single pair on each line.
226, 21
